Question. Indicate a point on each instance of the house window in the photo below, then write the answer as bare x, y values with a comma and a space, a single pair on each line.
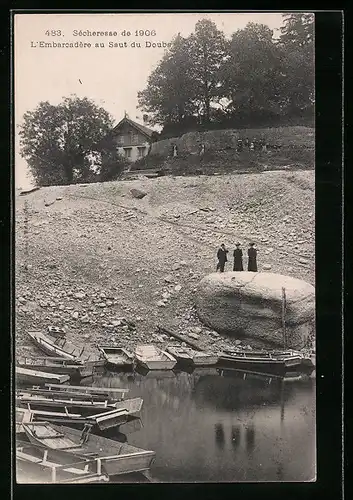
127, 152
141, 151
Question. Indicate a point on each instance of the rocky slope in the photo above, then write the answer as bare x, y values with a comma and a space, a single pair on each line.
88, 256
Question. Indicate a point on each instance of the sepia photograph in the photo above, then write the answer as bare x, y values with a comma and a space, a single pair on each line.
164, 247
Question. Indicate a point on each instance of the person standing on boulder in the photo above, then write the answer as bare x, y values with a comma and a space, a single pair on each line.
222, 258
238, 258
252, 255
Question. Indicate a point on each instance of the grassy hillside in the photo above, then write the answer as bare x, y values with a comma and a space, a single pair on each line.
123, 256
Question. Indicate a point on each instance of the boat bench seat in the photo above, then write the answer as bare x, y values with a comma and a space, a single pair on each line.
53, 436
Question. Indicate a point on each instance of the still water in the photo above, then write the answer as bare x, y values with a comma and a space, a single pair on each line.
222, 426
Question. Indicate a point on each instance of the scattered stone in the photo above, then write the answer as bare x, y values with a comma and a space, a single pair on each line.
75, 315
79, 295
85, 319
303, 261
267, 267
177, 288
161, 303
166, 295
157, 338
168, 279
193, 335
101, 304
136, 193
59, 198
176, 267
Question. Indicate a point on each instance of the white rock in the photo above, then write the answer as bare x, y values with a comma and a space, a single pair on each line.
177, 288
79, 295
267, 267
75, 315
161, 303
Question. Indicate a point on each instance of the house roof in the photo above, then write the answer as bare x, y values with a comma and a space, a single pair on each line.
141, 128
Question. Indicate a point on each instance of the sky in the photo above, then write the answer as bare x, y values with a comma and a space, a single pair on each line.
111, 77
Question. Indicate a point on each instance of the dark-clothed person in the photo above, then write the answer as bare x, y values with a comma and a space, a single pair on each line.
238, 258
252, 254
222, 257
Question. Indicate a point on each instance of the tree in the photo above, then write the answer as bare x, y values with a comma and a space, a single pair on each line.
57, 141
208, 55
169, 92
297, 45
252, 78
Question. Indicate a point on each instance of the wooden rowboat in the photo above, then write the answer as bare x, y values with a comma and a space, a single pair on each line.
102, 420
117, 357
84, 389
60, 347
153, 358
186, 355
51, 393
55, 466
84, 407
56, 365
26, 376
268, 360
116, 458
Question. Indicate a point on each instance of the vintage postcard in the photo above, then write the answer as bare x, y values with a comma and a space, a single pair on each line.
165, 265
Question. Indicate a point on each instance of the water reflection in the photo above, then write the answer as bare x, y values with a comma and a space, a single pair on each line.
250, 438
219, 435
224, 427
235, 436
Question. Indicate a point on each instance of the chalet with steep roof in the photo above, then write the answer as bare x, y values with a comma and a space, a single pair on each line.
132, 140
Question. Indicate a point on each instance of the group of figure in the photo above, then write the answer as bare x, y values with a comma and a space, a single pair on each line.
238, 258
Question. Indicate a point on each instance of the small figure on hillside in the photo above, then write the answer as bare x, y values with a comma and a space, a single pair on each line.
252, 146
202, 149
238, 258
175, 150
222, 258
252, 255
240, 145
247, 143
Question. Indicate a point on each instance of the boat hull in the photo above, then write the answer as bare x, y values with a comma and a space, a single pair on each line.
274, 365
116, 458
157, 365
26, 376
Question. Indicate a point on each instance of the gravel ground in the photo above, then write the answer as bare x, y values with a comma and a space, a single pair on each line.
90, 256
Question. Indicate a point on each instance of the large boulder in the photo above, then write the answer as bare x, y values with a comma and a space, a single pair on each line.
249, 305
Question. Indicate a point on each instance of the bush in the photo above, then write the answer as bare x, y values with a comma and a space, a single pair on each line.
149, 161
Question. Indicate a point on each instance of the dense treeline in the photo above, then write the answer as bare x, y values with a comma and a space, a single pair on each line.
205, 81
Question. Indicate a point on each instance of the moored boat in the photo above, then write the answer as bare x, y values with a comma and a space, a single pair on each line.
153, 358
102, 420
264, 360
116, 458
51, 393
26, 376
55, 466
117, 357
91, 390
56, 365
85, 407
60, 347
190, 356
